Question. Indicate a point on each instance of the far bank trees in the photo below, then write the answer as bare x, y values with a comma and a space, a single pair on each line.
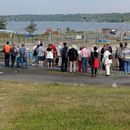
31, 28
3, 24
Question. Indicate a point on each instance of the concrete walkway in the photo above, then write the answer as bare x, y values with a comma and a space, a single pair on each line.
42, 75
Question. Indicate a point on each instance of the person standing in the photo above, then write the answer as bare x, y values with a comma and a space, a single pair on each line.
23, 56
59, 48
35, 55
79, 60
120, 57
13, 53
101, 58
40, 54
126, 59
49, 57
94, 63
107, 60
85, 54
53, 47
64, 55
6, 50
73, 55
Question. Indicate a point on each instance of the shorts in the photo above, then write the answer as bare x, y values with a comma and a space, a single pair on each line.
49, 60
41, 58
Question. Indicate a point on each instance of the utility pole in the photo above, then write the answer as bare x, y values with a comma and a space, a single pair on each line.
84, 21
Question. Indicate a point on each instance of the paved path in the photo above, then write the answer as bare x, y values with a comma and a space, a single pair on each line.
41, 75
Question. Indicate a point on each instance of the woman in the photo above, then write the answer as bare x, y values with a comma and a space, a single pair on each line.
49, 56
94, 62
107, 60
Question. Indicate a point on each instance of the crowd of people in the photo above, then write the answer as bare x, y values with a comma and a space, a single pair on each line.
64, 56
16, 53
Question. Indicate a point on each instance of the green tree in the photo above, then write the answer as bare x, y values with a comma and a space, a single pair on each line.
31, 28
3, 24
67, 30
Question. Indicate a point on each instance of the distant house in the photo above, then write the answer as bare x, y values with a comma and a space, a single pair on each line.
109, 31
106, 30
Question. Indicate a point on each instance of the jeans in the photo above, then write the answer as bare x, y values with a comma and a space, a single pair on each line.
84, 64
64, 64
13, 61
126, 67
121, 64
23, 61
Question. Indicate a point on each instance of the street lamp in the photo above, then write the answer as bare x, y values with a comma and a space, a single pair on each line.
84, 20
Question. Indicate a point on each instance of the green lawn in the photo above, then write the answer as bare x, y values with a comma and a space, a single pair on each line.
25, 106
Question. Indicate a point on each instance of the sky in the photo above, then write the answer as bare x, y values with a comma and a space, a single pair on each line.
14, 7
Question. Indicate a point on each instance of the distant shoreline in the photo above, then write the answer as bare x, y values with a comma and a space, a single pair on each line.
104, 17
63, 25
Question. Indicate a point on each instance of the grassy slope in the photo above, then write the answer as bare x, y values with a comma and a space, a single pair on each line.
59, 107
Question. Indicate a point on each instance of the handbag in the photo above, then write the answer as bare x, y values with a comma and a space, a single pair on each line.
110, 57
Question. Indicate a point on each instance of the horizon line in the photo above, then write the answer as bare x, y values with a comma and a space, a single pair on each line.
68, 13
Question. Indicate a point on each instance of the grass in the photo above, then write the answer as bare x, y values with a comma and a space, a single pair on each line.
26, 106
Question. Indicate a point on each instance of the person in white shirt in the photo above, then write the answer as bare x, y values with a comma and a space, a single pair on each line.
49, 56
107, 60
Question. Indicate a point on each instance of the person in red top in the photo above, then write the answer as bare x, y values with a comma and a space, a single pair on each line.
53, 47
6, 50
94, 62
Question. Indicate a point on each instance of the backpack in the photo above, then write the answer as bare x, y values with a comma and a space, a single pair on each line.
110, 57
13, 52
74, 54
35, 52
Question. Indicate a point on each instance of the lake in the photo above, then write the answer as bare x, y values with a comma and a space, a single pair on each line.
78, 26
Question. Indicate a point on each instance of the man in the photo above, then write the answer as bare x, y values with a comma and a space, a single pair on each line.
73, 55
23, 55
40, 54
64, 55
6, 50
120, 57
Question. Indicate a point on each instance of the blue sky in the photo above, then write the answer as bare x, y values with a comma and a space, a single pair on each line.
9, 7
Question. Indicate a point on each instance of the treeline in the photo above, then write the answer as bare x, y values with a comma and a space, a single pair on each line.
106, 17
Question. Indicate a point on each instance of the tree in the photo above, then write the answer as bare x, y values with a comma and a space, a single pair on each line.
3, 24
31, 28
67, 30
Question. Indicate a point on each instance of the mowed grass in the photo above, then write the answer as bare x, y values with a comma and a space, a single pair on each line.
26, 106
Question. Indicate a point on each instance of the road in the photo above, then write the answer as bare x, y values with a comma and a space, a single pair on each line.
42, 75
